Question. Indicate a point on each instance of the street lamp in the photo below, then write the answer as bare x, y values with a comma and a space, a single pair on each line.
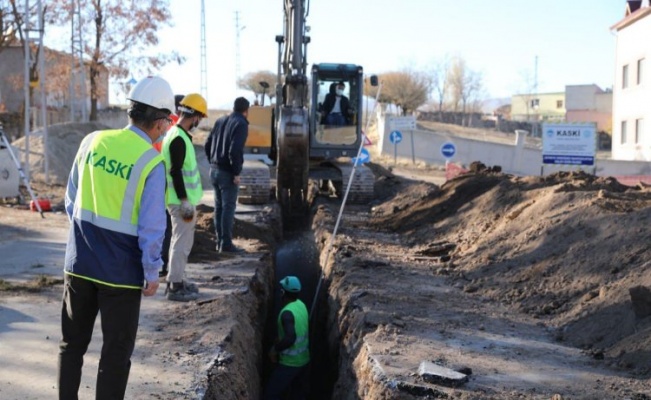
265, 86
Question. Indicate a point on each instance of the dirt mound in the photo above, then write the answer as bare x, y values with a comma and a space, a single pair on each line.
565, 248
204, 248
62, 143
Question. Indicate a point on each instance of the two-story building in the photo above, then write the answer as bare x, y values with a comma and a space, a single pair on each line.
589, 103
539, 107
58, 66
632, 89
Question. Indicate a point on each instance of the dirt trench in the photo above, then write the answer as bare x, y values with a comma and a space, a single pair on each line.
521, 283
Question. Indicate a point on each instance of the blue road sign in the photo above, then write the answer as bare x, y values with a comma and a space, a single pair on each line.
364, 157
448, 149
395, 137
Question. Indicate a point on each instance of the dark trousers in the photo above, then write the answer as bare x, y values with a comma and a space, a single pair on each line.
225, 201
119, 310
287, 383
165, 255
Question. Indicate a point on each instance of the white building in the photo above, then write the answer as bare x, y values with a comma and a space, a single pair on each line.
632, 88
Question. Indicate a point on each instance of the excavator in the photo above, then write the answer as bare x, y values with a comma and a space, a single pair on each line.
293, 133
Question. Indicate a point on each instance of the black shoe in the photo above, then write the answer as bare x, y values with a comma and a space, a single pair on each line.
231, 249
162, 273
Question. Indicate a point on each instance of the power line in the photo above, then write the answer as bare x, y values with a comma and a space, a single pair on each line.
77, 69
238, 29
204, 64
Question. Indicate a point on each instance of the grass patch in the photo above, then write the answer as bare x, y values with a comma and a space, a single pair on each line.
35, 285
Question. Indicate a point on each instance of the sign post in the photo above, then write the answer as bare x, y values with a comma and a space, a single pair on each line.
569, 143
448, 150
364, 157
395, 137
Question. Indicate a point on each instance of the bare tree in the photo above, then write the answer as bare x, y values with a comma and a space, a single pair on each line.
441, 82
529, 88
465, 85
252, 81
407, 89
9, 26
117, 35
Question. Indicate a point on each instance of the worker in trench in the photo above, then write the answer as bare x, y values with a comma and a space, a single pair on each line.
115, 200
291, 351
183, 194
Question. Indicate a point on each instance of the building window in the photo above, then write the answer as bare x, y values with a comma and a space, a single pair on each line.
623, 132
559, 103
640, 70
625, 76
535, 103
639, 126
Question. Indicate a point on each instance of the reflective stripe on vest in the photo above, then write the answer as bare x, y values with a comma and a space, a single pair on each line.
300, 345
298, 354
189, 170
107, 198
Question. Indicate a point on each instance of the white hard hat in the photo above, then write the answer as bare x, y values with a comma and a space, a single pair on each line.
153, 91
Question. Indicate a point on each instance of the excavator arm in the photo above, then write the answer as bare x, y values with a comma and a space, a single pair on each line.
292, 129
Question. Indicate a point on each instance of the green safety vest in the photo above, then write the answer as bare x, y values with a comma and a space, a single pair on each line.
299, 353
190, 169
113, 166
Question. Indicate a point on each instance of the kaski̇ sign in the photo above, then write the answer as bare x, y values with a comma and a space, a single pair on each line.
569, 144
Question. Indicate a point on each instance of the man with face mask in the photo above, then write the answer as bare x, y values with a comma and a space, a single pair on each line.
336, 106
184, 192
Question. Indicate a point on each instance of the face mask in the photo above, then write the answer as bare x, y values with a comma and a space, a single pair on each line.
340, 92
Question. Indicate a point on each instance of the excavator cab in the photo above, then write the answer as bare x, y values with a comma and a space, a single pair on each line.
304, 141
335, 123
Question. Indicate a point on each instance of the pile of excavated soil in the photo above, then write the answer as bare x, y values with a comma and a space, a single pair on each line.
204, 248
566, 249
62, 143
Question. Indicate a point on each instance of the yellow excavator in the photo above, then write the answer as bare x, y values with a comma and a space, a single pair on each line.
296, 135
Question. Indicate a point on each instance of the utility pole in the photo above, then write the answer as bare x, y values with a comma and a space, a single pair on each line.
26, 88
204, 65
77, 68
41, 82
534, 127
238, 29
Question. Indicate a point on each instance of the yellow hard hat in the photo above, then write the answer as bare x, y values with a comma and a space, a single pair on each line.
195, 102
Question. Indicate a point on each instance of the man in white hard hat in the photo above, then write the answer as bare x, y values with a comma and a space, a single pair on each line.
183, 194
115, 200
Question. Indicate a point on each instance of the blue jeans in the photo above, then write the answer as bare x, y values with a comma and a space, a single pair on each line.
335, 119
225, 200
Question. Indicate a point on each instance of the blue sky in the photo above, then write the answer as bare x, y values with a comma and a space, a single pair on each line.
500, 39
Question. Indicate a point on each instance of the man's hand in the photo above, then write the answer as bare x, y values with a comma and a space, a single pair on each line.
150, 288
236, 180
187, 211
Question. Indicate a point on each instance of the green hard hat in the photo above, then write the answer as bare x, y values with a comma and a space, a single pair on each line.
291, 284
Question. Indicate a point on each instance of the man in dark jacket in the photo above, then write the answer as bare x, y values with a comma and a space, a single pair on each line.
225, 151
336, 106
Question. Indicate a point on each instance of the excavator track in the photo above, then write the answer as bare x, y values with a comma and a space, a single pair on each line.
255, 183
361, 188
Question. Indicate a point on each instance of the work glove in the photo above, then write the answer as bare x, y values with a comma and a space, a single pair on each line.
187, 210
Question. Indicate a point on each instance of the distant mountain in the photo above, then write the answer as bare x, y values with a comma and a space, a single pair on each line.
491, 105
